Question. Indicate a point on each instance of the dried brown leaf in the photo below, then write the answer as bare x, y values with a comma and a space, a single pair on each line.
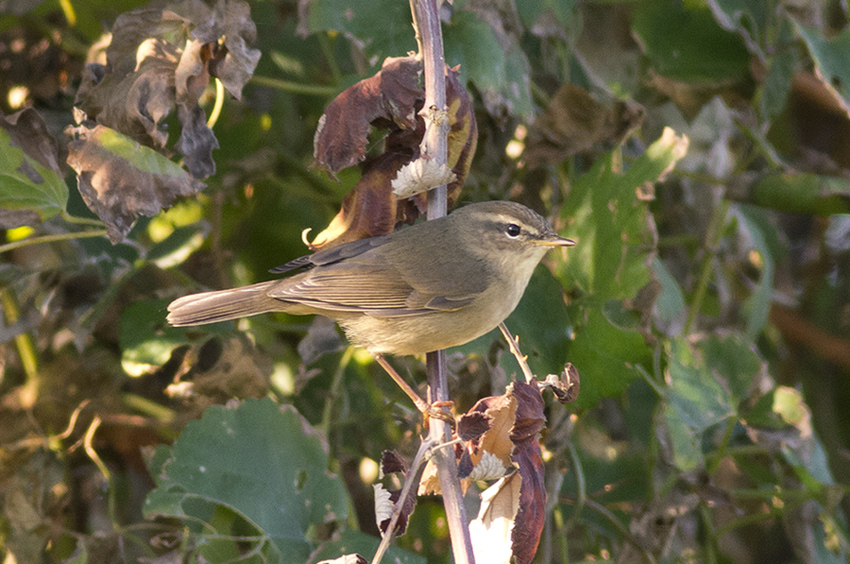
33, 187
29, 132
491, 531
574, 121
389, 100
565, 386
121, 180
390, 95
526, 456
470, 426
386, 502
392, 463
162, 58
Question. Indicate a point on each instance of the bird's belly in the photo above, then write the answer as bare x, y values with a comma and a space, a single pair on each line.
417, 334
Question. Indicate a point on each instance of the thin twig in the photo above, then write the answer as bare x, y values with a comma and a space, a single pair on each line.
51, 239
293, 87
513, 344
410, 479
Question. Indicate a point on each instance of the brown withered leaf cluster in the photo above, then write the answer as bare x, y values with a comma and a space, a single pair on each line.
386, 500
120, 179
390, 100
573, 122
160, 60
500, 436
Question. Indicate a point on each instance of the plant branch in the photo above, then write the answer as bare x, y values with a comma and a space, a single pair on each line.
513, 344
434, 146
410, 479
293, 87
52, 239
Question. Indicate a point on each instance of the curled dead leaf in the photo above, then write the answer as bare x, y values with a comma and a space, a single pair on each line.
526, 456
565, 386
389, 100
386, 501
120, 179
574, 121
162, 58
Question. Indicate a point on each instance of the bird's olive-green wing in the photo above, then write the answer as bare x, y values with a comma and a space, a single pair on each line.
367, 284
330, 256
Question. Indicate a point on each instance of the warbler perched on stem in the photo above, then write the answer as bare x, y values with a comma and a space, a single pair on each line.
431, 286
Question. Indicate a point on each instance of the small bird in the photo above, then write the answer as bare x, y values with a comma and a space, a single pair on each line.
430, 286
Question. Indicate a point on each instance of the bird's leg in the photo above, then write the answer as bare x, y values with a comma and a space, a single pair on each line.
428, 409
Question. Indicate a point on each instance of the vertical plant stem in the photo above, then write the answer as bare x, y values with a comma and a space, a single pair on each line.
434, 147
713, 235
26, 349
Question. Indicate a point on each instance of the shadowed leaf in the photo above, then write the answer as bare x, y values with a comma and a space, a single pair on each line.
271, 469
121, 180
32, 185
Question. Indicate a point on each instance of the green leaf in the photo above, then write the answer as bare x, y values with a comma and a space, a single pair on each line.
695, 401
670, 304
757, 305
685, 442
179, 245
694, 394
747, 18
146, 340
684, 42
261, 462
611, 224
27, 185
734, 360
605, 356
501, 74
832, 60
543, 325
781, 68
801, 193
382, 28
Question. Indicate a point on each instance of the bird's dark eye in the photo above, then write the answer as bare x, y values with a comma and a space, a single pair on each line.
513, 230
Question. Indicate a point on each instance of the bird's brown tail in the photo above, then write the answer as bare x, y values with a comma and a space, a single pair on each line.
223, 305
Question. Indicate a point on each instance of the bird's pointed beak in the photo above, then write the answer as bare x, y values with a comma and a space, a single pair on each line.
556, 241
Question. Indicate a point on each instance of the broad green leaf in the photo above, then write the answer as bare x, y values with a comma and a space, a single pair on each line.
781, 67
734, 360
611, 224
697, 397
146, 340
695, 401
258, 461
606, 357
27, 185
543, 325
832, 60
757, 306
502, 75
382, 28
179, 245
747, 18
800, 193
121, 179
685, 442
683, 41
670, 304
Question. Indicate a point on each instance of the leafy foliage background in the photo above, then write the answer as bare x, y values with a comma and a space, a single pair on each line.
706, 305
